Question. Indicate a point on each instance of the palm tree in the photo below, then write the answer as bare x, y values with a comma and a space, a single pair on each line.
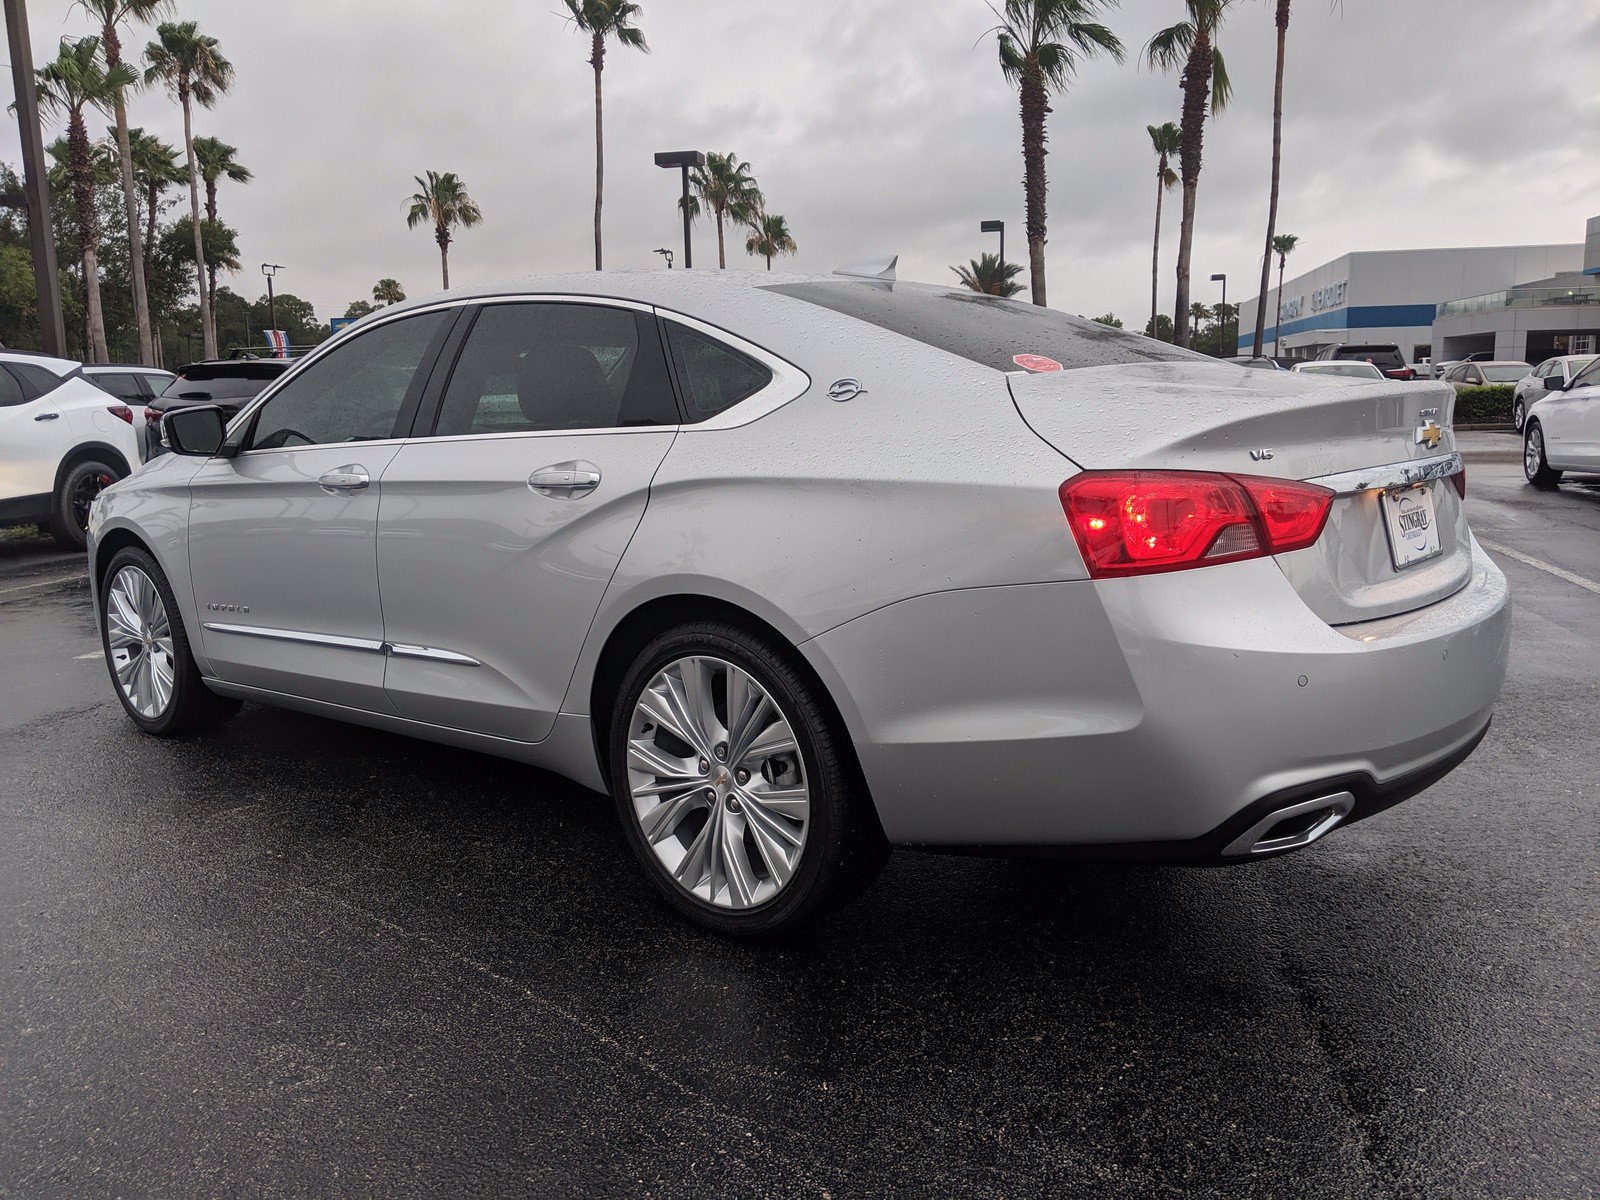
217, 160
1164, 140
1041, 44
601, 19
387, 291
1283, 245
769, 237
76, 81
1191, 44
1199, 313
191, 66
443, 200
155, 169
987, 274
1281, 17
110, 14
726, 187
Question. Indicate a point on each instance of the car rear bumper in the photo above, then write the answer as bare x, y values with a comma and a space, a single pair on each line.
1154, 717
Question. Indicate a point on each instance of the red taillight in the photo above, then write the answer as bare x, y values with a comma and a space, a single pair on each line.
1460, 480
121, 411
151, 416
1142, 522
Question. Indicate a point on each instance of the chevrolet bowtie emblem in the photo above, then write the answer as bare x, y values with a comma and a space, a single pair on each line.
1429, 433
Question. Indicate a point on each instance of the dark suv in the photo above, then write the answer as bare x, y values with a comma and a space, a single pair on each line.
229, 383
1385, 356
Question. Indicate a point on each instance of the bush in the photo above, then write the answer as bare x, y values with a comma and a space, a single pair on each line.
1487, 405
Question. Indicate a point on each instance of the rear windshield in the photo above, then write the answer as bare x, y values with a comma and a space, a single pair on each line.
984, 329
1507, 373
1354, 370
233, 388
1386, 357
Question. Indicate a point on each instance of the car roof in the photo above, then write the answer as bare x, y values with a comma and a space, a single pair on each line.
94, 368
59, 366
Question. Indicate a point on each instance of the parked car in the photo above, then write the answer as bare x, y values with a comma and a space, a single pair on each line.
735, 548
1531, 386
133, 384
1354, 372
1563, 428
229, 383
1385, 356
1258, 364
62, 440
1479, 374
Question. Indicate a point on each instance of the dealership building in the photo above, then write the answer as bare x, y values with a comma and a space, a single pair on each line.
1515, 302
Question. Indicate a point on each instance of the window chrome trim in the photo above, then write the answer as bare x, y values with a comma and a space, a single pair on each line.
1391, 475
337, 642
789, 382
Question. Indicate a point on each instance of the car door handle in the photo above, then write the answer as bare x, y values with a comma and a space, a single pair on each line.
47, 416
343, 480
565, 481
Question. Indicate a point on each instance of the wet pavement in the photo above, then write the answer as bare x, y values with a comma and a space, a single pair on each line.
298, 957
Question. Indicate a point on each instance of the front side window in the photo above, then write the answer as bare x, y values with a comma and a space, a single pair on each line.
1588, 377
713, 376
352, 394
537, 367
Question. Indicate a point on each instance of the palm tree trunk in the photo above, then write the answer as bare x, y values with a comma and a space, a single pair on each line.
1196, 86
1155, 252
769, 262
1277, 159
153, 197
141, 294
1035, 107
88, 236
1277, 326
442, 236
208, 330
597, 59
722, 258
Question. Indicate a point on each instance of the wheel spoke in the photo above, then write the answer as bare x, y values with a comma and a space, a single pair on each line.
663, 821
695, 864
794, 803
742, 881
778, 854
776, 738
667, 707
644, 755
697, 699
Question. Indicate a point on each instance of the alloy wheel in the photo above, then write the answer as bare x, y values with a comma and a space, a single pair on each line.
1533, 452
718, 782
139, 639
83, 495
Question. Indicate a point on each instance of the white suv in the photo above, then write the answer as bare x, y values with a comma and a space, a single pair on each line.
62, 440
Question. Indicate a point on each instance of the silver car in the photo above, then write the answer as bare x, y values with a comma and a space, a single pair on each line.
800, 568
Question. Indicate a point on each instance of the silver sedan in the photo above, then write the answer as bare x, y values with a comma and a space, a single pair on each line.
801, 568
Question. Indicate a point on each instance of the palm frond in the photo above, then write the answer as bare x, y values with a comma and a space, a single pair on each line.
1167, 49
1221, 85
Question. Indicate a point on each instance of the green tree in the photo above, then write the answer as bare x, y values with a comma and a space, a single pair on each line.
74, 82
1164, 140
443, 201
388, 291
602, 19
1042, 43
360, 308
1191, 46
1108, 319
111, 15
221, 244
1159, 328
1283, 245
769, 237
155, 169
987, 274
726, 187
191, 67
217, 162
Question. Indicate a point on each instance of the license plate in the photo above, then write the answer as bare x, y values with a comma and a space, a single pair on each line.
1412, 524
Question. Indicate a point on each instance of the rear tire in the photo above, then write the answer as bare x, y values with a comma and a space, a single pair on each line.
1535, 466
1519, 416
755, 825
69, 517
147, 651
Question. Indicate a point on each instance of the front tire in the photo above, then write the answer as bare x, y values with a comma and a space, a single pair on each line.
69, 518
1535, 466
147, 651
737, 791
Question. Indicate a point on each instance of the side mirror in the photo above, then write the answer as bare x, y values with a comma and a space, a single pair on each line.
1554, 383
196, 431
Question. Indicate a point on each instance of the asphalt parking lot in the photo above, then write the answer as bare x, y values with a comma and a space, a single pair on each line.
303, 958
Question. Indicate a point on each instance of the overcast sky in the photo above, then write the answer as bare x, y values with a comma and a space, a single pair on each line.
875, 128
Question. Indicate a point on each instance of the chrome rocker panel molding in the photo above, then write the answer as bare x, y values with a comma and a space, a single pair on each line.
368, 645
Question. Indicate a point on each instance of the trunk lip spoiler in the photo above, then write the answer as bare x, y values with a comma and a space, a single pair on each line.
1391, 475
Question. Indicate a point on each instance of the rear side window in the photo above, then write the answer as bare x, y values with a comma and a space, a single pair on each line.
36, 381
11, 393
985, 329
713, 376
535, 367
123, 387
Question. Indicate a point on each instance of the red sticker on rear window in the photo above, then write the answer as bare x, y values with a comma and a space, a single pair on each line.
1035, 362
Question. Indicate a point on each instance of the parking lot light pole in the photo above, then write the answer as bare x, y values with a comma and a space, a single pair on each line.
35, 185
269, 270
996, 227
1224, 278
666, 254
683, 160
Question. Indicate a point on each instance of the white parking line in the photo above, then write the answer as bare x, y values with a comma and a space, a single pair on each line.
91, 654
1540, 565
39, 583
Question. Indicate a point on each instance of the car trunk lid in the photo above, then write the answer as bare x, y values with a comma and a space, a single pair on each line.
1362, 439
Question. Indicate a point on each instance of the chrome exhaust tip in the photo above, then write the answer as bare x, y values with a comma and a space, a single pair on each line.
1291, 827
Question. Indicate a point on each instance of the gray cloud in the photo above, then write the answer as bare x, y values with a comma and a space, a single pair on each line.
876, 128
